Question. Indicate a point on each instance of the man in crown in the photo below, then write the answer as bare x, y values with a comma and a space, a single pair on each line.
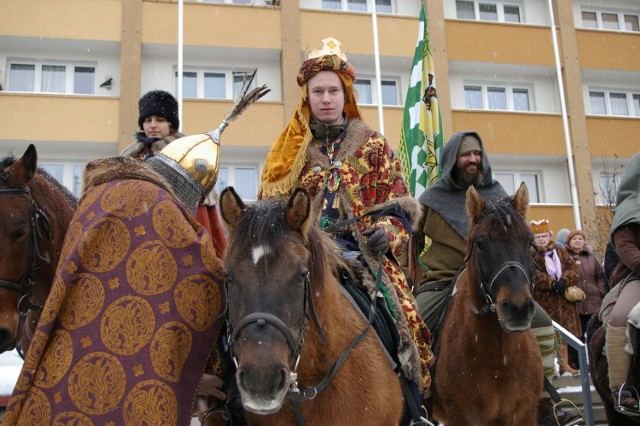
349, 170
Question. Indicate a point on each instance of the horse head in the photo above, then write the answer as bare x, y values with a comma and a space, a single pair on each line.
36, 211
267, 268
17, 239
499, 252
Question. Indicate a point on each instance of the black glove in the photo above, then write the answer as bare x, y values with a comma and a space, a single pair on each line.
378, 241
559, 285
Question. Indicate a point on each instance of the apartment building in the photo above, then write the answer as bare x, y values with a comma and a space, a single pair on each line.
561, 113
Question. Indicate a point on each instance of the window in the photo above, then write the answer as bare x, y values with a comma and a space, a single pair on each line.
493, 97
68, 78
615, 102
367, 92
382, 6
203, 84
243, 178
68, 174
488, 11
510, 181
611, 20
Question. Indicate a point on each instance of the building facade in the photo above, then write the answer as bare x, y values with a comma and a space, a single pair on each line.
559, 113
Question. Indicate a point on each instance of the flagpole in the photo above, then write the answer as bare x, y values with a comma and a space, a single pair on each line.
180, 56
565, 122
376, 53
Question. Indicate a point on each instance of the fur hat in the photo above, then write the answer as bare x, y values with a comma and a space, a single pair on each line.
160, 103
574, 233
540, 226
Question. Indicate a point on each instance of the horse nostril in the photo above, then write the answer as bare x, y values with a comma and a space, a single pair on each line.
283, 379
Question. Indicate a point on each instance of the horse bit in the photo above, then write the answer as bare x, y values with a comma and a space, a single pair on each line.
26, 284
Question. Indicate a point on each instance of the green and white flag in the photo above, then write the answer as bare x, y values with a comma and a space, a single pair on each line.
421, 138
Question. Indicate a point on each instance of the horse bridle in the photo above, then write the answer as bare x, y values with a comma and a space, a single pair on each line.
26, 284
487, 285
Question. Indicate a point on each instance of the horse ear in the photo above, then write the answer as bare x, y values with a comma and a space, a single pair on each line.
297, 211
22, 171
521, 199
475, 203
231, 206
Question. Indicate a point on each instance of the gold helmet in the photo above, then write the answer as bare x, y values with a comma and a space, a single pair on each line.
198, 155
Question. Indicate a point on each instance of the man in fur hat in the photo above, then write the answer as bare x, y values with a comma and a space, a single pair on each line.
445, 221
137, 303
159, 121
349, 170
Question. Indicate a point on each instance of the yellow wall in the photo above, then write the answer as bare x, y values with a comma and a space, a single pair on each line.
609, 50
509, 133
503, 43
356, 34
45, 18
34, 117
212, 25
260, 125
613, 136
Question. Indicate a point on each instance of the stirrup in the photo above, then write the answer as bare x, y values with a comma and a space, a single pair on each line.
578, 420
621, 408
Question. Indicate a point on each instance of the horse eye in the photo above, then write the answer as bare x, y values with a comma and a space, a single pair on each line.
19, 234
480, 245
302, 277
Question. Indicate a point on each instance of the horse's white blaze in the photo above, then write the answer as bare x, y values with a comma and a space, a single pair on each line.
258, 252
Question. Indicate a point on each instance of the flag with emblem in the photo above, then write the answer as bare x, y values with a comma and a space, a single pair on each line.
421, 137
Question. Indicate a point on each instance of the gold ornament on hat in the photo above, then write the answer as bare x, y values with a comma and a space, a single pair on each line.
199, 155
330, 46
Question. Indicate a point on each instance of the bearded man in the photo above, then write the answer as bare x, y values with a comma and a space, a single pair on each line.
445, 222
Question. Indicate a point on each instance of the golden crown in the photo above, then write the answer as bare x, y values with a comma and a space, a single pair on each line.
540, 226
330, 46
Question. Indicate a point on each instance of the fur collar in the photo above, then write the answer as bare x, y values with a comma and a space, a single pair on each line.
106, 170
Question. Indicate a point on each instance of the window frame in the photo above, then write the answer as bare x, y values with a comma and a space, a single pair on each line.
374, 89
232, 178
71, 173
500, 13
229, 80
621, 19
535, 194
69, 75
632, 108
345, 6
608, 199
509, 90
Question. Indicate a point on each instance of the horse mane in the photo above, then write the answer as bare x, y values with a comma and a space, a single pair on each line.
47, 178
265, 222
502, 217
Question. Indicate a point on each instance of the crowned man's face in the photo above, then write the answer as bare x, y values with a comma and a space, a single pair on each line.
326, 97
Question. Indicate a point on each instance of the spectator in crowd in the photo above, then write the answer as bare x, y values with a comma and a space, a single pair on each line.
561, 237
555, 270
592, 280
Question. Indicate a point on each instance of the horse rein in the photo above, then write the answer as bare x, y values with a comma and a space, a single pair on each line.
26, 284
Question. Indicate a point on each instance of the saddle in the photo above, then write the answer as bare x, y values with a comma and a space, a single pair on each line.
383, 322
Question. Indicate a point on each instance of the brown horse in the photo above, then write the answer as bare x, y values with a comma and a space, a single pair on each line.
35, 211
490, 371
599, 371
280, 272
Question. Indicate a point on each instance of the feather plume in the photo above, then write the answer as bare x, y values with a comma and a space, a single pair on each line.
246, 97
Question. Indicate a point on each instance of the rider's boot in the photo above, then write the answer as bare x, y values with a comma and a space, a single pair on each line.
625, 397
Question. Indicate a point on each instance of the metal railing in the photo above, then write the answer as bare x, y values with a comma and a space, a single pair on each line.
583, 360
